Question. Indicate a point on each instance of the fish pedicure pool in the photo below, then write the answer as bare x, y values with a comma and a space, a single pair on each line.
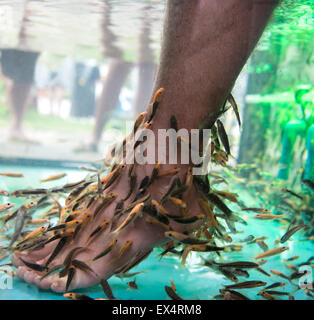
194, 281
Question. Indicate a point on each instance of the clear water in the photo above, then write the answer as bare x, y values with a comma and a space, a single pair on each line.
192, 281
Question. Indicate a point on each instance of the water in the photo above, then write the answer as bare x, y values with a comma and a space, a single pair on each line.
99, 32
192, 281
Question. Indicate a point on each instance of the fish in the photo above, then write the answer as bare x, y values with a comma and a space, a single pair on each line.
104, 202
156, 101
18, 225
235, 108
122, 251
262, 245
132, 284
238, 264
34, 233
266, 295
269, 216
139, 121
184, 238
256, 210
223, 136
172, 294
199, 248
68, 259
132, 216
53, 177
83, 266
107, 289
132, 183
34, 266
98, 231
12, 174
77, 296
246, 285
178, 202
213, 198
57, 250
275, 285
290, 233
271, 252
4, 193
188, 220
292, 193
113, 176
169, 172
155, 172
279, 274
71, 274
156, 222
107, 249
234, 295
6, 206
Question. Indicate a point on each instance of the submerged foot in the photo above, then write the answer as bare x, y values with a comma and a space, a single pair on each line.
105, 243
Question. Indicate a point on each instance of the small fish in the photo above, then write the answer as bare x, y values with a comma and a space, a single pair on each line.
178, 202
256, 210
139, 121
132, 284
98, 231
83, 266
57, 250
292, 258
271, 252
158, 223
12, 174
4, 193
71, 274
172, 294
53, 177
107, 289
132, 183
279, 274
169, 172
132, 216
275, 285
122, 251
156, 101
246, 285
269, 216
238, 264
266, 295
199, 248
223, 136
234, 295
292, 193
262, 245
33, 234
107, 249
76, 296
18, 225
6, 206
184, 238
34, 266
234, 107
189, 220
290, 233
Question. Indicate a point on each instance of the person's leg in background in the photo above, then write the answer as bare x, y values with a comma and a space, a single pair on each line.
18, 70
